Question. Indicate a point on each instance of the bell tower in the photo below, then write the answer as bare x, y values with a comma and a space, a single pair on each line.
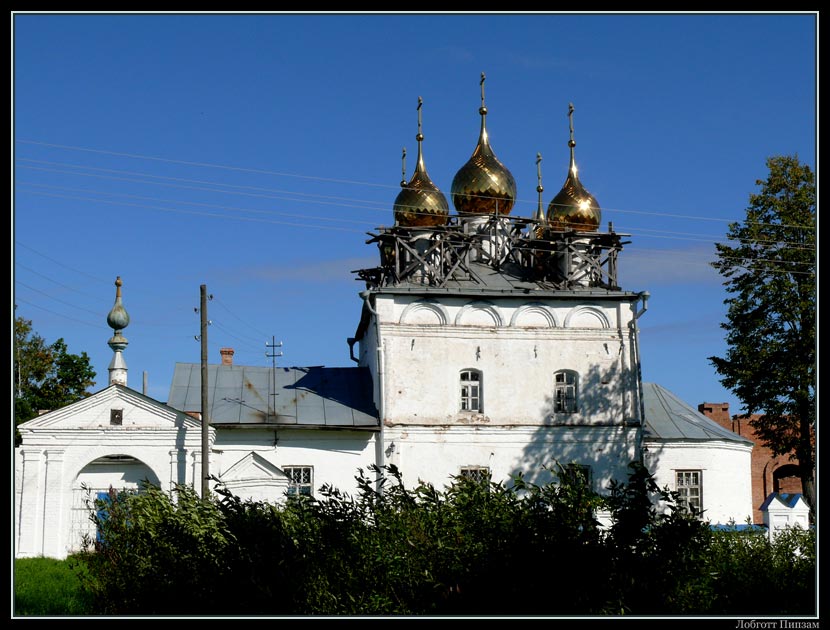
497, 342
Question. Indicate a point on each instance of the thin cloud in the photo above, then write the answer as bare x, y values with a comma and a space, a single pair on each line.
654, 267
325, 271
455, 53
537, 62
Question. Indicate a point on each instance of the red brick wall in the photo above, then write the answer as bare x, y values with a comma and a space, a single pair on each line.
769, 473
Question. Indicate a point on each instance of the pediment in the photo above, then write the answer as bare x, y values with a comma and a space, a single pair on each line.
113, 408
253, 466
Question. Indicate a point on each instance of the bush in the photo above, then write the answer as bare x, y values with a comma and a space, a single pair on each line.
755, 576
156, 553
475, 548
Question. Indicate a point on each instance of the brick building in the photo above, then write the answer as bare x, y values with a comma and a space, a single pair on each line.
769, 473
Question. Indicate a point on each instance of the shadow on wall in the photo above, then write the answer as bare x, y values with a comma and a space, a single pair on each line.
598, 434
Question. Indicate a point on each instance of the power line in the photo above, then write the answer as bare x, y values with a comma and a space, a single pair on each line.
211, 190
62, 264
192, 203
179, 179
203, 214
203, 164
62, 315
52, 297
635, 231
223, 305
324, 179
52, 280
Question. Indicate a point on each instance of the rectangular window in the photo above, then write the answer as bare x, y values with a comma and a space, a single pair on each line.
300, 480
690, 487
476, 473
564, 392
580, 474
470, 390
116, 416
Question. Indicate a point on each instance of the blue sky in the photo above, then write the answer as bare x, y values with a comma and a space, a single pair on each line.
251, 153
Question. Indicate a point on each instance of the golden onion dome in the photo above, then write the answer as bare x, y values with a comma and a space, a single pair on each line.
574, 208
420, 203
483, 185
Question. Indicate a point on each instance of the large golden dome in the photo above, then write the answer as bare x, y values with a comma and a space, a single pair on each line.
483, 185
574, 208
420, 203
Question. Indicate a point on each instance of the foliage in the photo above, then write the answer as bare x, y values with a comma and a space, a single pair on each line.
474, 548
154, 548
753, 575
770, 272
49, 587
657, 549
45, 376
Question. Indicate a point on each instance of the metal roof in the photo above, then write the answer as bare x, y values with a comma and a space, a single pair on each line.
486, 280
788, 499
669, 418
299, 396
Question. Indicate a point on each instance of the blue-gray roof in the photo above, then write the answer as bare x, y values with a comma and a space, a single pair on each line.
508, 279
669, 418
305, 396
788, 499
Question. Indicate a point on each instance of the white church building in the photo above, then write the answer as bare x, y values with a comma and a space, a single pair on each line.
487, 345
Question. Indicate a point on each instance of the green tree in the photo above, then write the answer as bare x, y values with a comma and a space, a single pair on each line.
46, 376
769, 267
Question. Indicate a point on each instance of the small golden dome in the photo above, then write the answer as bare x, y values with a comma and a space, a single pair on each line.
483, 185
574, 208
420, 203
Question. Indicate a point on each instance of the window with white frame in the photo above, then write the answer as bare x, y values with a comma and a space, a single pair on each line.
689, 485
564, 391
300, 480
480, 474
470, 381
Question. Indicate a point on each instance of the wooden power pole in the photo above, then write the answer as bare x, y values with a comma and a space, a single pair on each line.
205, 434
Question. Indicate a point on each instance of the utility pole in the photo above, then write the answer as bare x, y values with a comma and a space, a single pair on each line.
205, 435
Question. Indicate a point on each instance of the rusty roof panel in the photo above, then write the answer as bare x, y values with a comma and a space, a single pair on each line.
303, 396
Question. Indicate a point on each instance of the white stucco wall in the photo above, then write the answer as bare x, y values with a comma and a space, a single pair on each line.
726, 475
435, 454
517, 345
779, 516
334, 455
49, 480
51, 512
72, 447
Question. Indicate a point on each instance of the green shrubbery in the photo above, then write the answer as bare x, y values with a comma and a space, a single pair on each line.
474, 548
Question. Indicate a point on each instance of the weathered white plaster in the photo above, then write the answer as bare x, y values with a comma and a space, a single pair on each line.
726, 474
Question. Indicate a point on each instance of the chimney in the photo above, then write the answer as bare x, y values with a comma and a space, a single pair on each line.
719, 412
227, 356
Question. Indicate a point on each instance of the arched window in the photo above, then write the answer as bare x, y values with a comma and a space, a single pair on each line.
564, 391
470, 382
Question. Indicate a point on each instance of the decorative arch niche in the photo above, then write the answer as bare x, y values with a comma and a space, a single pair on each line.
424, 312
586, 317
535, 315
479, 313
